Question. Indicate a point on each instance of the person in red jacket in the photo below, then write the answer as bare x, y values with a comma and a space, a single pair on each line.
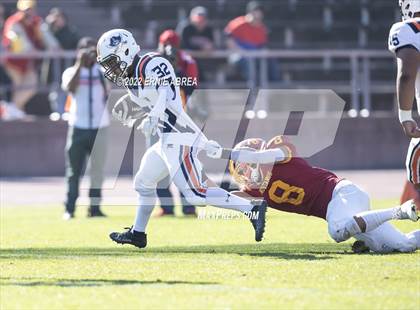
249, 33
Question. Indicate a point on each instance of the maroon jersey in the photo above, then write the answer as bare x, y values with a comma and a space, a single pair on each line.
295, 186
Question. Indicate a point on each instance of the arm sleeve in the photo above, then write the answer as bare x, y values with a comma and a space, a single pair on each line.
260, 157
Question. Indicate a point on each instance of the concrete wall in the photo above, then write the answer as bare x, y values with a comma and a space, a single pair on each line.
36, 148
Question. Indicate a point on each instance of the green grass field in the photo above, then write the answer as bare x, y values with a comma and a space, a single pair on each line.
46, 263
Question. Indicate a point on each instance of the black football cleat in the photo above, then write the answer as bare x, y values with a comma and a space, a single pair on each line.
257, 218
138, 239
94, 211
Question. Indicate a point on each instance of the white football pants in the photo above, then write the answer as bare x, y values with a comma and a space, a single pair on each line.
349, 200
412, 162
180, 162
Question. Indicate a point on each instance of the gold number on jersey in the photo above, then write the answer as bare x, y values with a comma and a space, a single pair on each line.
288, 190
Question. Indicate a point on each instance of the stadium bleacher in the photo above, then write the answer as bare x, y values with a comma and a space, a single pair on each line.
328, 24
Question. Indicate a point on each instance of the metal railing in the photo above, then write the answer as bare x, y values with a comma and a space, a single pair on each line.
359, 87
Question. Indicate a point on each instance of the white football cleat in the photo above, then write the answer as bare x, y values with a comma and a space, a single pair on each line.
408, 211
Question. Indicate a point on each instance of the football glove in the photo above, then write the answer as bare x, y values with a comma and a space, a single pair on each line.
213, 149
123, 118
149, 125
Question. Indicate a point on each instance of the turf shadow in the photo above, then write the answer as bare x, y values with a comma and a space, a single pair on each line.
91, 282
287, 251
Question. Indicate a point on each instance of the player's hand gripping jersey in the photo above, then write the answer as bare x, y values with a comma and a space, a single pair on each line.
406, 34
292, 185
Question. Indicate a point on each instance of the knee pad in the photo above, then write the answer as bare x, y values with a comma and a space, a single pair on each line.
406, 244
144, 188
407, 248
410, 245
343, 230
403, 247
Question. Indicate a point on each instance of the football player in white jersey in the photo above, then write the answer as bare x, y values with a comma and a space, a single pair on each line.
404, 42
151, 83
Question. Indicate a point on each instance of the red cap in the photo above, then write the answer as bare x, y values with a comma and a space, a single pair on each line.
170, 37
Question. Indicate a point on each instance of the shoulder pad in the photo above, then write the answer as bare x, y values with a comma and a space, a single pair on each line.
406, 33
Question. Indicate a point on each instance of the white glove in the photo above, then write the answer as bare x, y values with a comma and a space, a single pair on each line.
123, 117
213, 149
149, 125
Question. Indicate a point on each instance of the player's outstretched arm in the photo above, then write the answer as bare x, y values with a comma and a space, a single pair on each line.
242, 195
269, 156
408, 60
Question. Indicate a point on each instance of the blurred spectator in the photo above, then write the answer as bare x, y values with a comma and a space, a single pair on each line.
248, 33
5, 83
22, 33
87, 91
183, 63
2, 19
67, 38
197, 34
58, 25
185, 67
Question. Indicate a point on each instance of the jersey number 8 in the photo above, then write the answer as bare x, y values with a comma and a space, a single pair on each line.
291, 194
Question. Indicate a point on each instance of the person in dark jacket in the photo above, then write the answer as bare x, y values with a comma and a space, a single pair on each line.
58, 25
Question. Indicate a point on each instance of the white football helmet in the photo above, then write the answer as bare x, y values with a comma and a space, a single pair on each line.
116, 51
409, 8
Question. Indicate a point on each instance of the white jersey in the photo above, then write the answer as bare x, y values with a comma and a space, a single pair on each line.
153, 89
406, 34
155, 76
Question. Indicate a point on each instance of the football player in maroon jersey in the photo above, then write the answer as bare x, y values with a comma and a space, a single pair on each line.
288, 183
